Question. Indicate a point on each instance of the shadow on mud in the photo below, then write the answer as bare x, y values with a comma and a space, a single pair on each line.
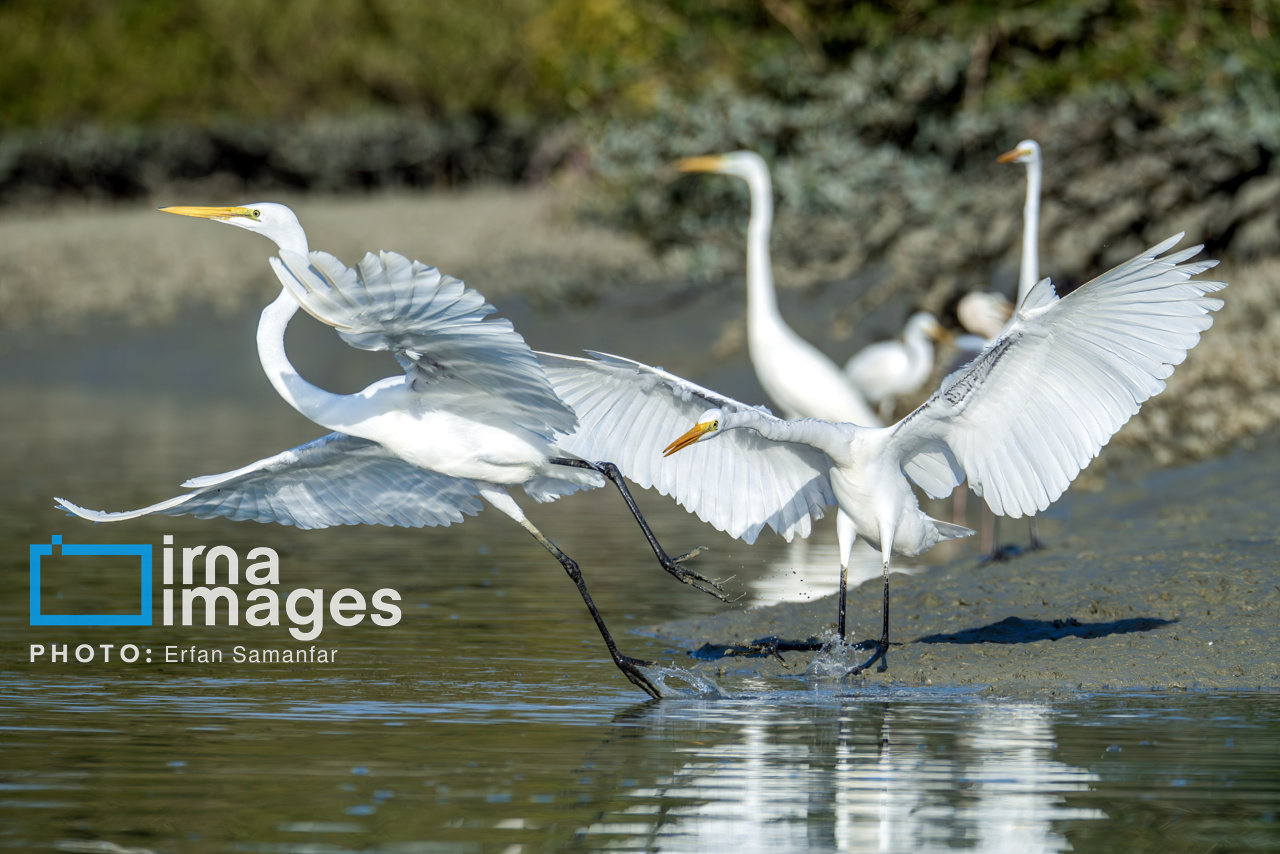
1018, 630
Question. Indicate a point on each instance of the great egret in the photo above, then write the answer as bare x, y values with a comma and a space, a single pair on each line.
1027, 153
472, 414
800, 379
983, 314
886, 370
1019, 422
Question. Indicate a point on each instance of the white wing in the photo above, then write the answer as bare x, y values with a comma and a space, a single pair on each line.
1037, 404
335, 480
434, 325
739, 482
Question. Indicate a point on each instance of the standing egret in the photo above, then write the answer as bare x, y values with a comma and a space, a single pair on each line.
886, 370
472, 414
799, 378
983, 314
1019, 422
1027, 153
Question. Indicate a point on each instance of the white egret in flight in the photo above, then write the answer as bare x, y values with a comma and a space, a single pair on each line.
799, 378
1019, 422
472, 414
887, 370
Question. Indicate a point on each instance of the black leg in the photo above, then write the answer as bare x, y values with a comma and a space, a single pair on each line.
1036, 543
629, 666
883, 646
671, 565
844, 587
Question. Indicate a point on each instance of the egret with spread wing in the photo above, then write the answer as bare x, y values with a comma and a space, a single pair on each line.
799, 378
1019, 422
472, 414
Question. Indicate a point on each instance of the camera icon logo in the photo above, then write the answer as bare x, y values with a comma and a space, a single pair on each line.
141, 551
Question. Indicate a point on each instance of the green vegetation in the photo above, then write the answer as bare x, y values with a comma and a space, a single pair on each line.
158, 61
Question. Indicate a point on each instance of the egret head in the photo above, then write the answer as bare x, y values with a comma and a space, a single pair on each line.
744, 164
1027, 151
929, 325
275, 222
709, 424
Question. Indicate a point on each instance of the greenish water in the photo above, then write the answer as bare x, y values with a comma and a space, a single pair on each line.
488, 718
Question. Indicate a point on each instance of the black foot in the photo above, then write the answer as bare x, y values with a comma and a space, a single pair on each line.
694, 579
631, 669
1002, 553
759, 648
882, 646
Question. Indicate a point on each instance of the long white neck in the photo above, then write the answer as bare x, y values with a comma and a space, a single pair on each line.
313, 402
1030, 272
833, 439
762, 301
919, 353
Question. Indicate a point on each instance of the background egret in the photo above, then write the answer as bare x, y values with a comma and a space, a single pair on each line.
1027, 153
798, 377
887, 370
1019, 422
472, 414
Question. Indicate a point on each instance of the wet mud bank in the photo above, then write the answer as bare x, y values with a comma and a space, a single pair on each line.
1165, 582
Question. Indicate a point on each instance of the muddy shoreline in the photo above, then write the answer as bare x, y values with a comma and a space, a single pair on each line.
1167, 582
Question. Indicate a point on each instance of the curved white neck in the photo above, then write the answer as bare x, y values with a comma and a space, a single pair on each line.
1030, 272
919, 353
313, 402
762, 302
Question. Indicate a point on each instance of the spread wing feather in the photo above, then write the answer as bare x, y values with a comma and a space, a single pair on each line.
1034, 408
435, 327
334, 480
739, 483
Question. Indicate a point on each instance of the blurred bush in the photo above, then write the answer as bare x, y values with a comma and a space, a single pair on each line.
882, 121
880, 118
149, 61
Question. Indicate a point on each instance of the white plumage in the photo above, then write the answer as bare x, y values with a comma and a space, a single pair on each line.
887, 370
1019, 422
797, 376
472, 414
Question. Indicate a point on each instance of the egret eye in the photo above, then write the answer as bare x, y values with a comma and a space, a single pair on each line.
257, 214
715, 425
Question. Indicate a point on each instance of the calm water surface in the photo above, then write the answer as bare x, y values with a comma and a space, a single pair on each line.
488, 718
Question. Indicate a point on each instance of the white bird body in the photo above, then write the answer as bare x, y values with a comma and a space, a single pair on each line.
797, 376
984, 313
472, 413
1019, 422
887, 370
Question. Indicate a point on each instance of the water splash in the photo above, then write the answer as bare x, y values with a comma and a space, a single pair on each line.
695, 686
834, 662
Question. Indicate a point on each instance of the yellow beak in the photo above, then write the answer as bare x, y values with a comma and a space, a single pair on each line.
698, 431
210, 213
706, 163
1010, 156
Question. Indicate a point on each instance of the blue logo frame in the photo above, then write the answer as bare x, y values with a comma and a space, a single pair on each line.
142, 618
